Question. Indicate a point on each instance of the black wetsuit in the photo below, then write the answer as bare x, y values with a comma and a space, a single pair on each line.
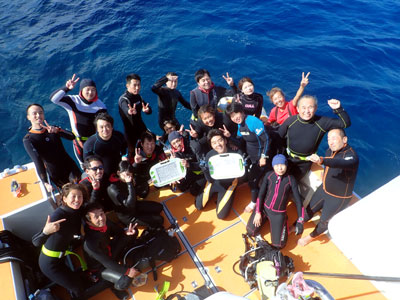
167, 101
336, 190
256, 140
133, 124
98, 195
303, 137
199, 98
194, 180
142, 169
104, 247
81, 115
53, 267
129, 210
110, 151
225, 189
252, 104
48, 154
272, 202
200, 145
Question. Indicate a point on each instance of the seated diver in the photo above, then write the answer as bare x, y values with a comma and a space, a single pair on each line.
128, 209
56, 237
105, 244
224, 188
180, 148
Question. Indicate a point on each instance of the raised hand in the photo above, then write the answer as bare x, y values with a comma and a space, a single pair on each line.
50, 129
334, 103
95, 182
181, 129
51, 227
192, 132
146, 108
131, 229
132, 109
70, 84
304, 79
138, 157
225, 131
228, 79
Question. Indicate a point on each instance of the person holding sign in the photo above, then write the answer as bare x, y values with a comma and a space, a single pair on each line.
180, 148
223, 187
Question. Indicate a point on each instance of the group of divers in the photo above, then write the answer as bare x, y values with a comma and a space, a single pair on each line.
278, 152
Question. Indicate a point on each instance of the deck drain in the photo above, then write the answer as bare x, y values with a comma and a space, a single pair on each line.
218, 269
194, 284
184, 219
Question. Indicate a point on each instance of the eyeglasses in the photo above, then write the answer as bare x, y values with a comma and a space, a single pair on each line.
101, 168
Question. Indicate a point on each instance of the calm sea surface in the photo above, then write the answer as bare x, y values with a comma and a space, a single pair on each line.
351, 48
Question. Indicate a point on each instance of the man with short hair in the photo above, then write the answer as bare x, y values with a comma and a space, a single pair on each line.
82, 110
336, 190
207, 92
304, 132
224, 188
147, 154
168, 98
130, 106
95, 182
107, 143
105, 244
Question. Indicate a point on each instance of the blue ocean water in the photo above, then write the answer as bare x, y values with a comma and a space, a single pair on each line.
351, 48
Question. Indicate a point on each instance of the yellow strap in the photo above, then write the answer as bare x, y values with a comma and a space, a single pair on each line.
206, 193
59, 254
295, 155
227, 195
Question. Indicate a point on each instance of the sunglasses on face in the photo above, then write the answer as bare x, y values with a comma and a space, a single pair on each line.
97, 168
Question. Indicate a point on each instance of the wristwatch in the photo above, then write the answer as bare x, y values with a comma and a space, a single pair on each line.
300, 220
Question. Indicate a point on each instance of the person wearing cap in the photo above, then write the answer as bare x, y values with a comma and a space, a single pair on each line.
82, 110
336, 191
168, 98
271, 204
304, 132
180, 148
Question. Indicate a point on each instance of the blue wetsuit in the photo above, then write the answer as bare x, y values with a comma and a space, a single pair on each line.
257, 143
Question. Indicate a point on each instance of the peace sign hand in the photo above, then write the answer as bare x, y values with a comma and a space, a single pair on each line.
131, 229
50, 129
132, 110
138, 157
181, 129
228, 79
51, 227
304, 79
146, 108
225, 131
192, 132
70, 84
95, 182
